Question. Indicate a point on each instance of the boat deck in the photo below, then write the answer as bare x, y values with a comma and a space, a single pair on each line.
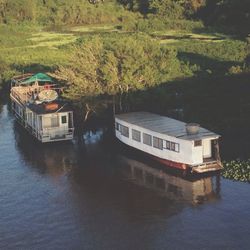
25, 93
207, 167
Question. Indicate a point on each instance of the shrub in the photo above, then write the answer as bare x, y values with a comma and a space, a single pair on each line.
235, 70
237, 170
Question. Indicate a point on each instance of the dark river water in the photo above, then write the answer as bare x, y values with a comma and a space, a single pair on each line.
94, 196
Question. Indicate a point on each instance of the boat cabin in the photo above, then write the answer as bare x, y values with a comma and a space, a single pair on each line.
172, 142
37, 106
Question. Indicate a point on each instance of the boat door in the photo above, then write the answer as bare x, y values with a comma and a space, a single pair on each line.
206, 148
64, 120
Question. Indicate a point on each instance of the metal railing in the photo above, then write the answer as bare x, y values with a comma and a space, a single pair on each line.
55, 133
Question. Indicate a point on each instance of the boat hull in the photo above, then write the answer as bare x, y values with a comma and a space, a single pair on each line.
171, 164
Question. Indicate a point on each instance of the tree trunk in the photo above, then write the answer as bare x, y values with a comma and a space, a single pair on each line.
87, 113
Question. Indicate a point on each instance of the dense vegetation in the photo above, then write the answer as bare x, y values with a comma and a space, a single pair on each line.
174, 25
109, 65
232, 15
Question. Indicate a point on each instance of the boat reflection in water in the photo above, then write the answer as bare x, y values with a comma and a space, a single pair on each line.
92, 164
52, 159
195, 190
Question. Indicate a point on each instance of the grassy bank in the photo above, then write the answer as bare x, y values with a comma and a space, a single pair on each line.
34, 48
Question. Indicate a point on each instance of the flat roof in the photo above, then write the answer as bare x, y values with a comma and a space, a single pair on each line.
40, 108
164, 125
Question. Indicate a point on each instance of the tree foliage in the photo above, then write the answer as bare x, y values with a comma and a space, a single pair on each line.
110, 66
229, 13
59, 11
167, 8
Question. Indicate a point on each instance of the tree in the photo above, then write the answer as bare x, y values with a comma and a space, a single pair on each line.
232, 15
167, 8
3, 7
111, 66
18, 10
114, 66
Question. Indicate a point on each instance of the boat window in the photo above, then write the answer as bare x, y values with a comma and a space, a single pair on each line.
147, 139
175, 147
124, 131
136, 135
64, 119
168, 145
54, 121
117, 126
198, 143
49, 122
157, 143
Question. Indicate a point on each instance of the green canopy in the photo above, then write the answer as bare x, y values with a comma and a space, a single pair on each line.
40, 77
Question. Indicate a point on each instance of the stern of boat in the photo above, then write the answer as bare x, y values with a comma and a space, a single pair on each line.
208, 166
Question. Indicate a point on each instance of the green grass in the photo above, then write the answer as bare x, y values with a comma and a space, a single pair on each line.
51, 40
33, 46
93, 28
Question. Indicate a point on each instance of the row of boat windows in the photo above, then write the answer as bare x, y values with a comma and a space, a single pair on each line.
48, 122
148, 139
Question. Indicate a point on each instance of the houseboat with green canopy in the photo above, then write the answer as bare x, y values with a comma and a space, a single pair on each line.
38, 107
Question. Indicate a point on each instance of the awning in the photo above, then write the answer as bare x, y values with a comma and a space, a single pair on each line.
40, 77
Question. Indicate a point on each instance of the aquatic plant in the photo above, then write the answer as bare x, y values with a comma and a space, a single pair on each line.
237, 170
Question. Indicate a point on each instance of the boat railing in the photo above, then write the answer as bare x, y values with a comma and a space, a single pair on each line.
51, 133
55, 132
23, 94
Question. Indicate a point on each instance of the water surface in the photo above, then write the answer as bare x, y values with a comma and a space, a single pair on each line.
84, 196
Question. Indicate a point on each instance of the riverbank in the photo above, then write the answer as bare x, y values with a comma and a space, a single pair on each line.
199, 53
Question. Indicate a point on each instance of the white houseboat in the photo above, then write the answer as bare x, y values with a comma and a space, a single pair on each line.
37, 106
172, 142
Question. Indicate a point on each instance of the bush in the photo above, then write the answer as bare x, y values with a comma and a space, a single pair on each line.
237, 170
227, 50
118, 64
152, 23
235, 70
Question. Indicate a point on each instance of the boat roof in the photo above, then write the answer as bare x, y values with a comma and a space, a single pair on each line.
40, 77
40, 108
165, 125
